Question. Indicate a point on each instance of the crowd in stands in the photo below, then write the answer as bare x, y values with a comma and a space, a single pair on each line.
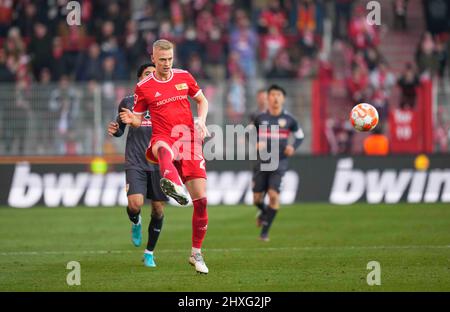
215, 40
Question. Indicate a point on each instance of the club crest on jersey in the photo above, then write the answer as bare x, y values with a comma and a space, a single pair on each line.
135, 98
181, 86
282, 122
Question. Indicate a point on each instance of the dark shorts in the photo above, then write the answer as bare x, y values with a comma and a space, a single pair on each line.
265, 180
145, 183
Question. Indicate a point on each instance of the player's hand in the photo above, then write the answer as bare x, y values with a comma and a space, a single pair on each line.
113, 127
289, 150
126, 116
202, 130
261, 145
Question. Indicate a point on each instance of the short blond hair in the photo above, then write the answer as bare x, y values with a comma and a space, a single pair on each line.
162, 44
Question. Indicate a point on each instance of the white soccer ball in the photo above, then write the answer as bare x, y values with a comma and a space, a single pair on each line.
364, 117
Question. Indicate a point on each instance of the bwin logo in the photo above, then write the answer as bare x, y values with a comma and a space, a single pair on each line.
388, 185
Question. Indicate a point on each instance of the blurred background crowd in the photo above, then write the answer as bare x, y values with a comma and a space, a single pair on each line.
239, 42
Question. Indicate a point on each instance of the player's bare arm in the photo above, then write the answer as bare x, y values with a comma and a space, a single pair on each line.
130, 118
202, 110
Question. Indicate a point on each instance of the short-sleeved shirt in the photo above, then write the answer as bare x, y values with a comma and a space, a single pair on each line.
167, 101
137, 139
287, 125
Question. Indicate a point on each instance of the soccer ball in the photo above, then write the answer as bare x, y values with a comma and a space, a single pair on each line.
364, 117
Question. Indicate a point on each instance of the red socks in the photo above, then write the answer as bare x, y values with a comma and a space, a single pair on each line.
166, 166
199, 222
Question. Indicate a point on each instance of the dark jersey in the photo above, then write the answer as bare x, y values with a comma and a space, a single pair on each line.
287, 125
137, 139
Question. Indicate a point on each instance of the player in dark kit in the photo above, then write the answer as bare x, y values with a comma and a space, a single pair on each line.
269, 182
142, 178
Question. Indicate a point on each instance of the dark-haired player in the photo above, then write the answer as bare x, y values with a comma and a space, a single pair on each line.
269, 182
142, 178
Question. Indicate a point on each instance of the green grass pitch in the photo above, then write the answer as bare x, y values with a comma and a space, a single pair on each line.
313, 247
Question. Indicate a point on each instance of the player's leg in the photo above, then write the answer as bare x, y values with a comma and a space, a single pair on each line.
274, 203
170, 180
197, 189
158, 198
260, 185
136, 183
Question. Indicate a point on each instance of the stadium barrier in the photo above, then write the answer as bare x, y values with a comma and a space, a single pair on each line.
338, 180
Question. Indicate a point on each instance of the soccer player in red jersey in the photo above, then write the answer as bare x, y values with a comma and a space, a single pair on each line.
176, 142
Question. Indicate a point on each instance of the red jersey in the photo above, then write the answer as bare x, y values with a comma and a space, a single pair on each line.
167, 101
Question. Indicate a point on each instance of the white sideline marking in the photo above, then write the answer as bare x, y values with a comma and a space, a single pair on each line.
100, 252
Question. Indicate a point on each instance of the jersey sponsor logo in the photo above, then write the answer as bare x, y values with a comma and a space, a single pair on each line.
157, 94
172, 99
181, 86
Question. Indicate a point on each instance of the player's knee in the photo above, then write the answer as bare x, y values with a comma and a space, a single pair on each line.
274, 199
257, 198
158, 209
135, 204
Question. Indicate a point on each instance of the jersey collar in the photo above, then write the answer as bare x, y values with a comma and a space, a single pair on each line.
164, 81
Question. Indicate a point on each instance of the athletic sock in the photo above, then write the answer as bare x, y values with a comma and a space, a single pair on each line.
134, 217
154, 229
199, 222
195, 250
262, 207
166, 166
270, 215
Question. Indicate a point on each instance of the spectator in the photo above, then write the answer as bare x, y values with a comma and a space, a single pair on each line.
215, 53
309, 18
243, 41
16, 115
282, 67
339, 133
236, 99
400, 8
41, 111
441, 56
135, 48
357, 85
372, 58
6, 14
196, 67
39, 49
271, 44
261, 104
361, 33
89, 64
64, 106
273, 16
190, 46
6, 74
376, 144
381, 81
343, 11
408, 83
59, 66
426, 58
